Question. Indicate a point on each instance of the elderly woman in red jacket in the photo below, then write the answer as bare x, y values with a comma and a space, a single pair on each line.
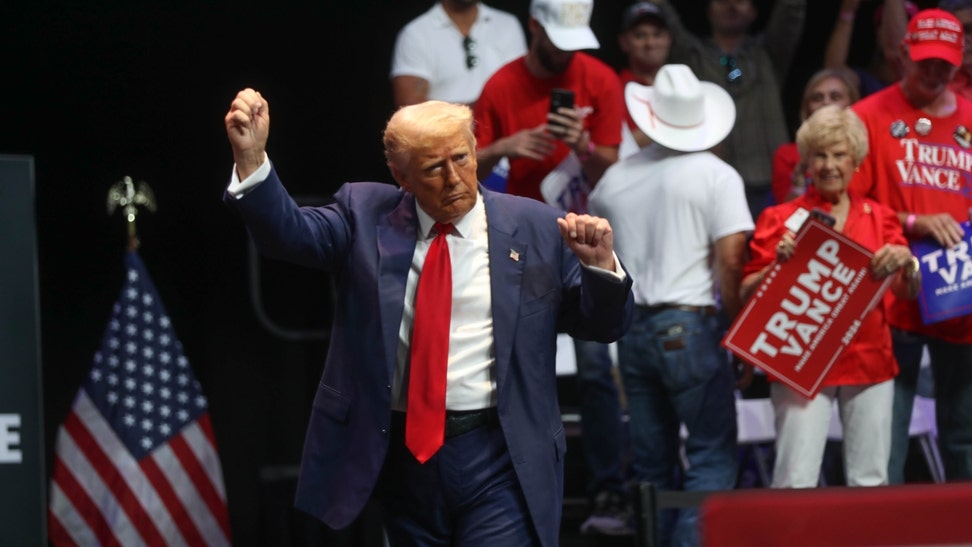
833, 141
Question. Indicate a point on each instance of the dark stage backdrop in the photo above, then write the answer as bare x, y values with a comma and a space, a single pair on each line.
98, 90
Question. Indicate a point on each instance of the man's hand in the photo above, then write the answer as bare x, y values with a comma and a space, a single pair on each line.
591, 239
535, 143
248, 126
566, 125
940, 226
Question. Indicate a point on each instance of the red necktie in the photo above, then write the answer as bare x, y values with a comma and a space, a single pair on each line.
425, 416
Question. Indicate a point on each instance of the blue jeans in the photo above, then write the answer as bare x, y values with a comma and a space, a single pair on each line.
600, 409
951, 366
674, 371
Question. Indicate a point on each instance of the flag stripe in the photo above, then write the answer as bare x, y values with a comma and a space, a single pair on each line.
65, 527
188, 494
83, 504
136, 460
171, 501
111, 446
56, 533
201, 480
113, 480
203, 444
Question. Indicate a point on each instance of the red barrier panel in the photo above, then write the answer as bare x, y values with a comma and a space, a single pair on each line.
892, 515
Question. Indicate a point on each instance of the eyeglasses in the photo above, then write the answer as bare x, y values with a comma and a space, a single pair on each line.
733, 72
470, 46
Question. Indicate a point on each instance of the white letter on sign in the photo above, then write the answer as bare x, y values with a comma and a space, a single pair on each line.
9, 438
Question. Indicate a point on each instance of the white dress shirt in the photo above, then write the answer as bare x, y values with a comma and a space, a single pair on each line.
470, 381
471, 377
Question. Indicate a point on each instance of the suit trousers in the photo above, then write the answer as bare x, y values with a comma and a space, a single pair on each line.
467, 494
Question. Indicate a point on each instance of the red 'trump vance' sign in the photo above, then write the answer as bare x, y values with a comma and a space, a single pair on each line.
808, 309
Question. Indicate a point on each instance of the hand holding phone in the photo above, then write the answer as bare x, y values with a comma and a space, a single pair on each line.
560, 98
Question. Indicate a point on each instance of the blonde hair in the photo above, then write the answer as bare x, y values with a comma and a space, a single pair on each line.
414, 126
829, 125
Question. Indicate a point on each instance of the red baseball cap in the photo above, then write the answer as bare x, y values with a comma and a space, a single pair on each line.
935, 34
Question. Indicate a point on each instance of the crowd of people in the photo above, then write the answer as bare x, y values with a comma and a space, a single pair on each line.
646, 210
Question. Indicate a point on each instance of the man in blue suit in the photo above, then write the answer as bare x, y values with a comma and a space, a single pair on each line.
521, 272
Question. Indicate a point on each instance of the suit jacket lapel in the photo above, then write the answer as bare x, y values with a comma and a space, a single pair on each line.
396, 245
507, 258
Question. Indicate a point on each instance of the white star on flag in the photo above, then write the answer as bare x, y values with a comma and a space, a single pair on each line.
138, 469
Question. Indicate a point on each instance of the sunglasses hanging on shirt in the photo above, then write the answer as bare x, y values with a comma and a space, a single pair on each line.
470, 46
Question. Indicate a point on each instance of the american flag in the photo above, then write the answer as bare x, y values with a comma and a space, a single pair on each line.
135, 459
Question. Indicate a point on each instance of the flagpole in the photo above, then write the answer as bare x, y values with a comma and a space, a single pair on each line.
126, 195
135, 460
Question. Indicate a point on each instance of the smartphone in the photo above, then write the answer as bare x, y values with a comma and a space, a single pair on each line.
796, 220
824, 218
559, 98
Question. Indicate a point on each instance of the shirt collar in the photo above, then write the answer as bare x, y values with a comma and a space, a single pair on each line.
442, 18
463, 227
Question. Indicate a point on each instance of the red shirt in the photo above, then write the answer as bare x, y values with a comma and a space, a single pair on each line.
784, 161
625, 76
919, 174
868, 359
514, 99
962, 84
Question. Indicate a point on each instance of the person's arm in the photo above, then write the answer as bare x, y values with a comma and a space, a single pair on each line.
784, 249
408, 90
594, 158
730, 257
411, 66
894, 26
940, 226
568, 126
599, 303
783, 33
749, 283
536, 143
838, 45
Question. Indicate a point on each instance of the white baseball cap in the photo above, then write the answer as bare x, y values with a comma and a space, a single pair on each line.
566, 22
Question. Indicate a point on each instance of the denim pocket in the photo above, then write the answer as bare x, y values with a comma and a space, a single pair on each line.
689, 356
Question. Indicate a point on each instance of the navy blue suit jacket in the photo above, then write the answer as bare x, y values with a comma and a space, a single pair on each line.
366, 239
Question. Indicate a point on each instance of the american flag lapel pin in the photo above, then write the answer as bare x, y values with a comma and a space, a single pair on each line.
514, 255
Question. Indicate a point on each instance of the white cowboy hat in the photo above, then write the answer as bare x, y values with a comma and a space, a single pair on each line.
679, 111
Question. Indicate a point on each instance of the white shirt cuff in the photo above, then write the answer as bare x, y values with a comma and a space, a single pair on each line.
239, 188
617, 274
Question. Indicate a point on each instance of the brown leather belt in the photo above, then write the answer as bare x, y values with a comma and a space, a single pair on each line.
704, 310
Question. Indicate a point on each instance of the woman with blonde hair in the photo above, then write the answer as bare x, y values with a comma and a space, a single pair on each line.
833, 141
